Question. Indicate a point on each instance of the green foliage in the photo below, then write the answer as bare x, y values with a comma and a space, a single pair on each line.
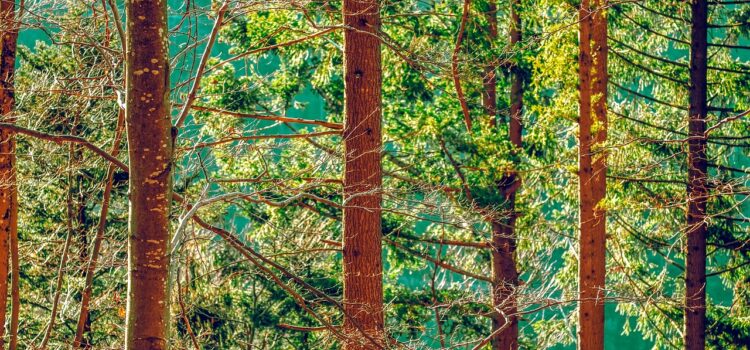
442, 184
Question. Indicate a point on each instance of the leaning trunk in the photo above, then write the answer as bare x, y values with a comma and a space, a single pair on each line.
363, 285
84, 322
8, 187
592, 172
695, 262
150, 144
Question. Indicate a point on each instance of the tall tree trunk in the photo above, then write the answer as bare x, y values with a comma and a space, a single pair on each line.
8, 187
504, 270
592, 172
150, 145
695, 262
363, 266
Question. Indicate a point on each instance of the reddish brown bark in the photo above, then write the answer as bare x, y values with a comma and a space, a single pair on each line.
150, 144
592, 172
504, 270
695, 261
8, 187
505, 281
363, 267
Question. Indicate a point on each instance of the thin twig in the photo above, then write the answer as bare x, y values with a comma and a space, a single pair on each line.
202, 65
62, 139
93, 260
63, 259
278, 118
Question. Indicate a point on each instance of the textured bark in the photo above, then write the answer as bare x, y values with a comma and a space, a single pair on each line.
150, 145
592, 172
363, 266
15, 277
504, 270
695, 262
505, 277
8, 187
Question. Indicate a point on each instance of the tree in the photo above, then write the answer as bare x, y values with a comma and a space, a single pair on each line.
697, 226
469, 257
504, 270
592, 172
653, 73
8, 186
150, 144
363, 266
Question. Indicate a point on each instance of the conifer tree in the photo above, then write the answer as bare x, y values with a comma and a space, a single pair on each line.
150, 144
363, 266
8, 186
592, 171
697, 226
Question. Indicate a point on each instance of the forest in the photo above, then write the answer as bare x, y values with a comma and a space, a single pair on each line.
375, 174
